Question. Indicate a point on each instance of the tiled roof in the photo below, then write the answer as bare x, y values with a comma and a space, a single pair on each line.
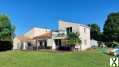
24, 38
46, 35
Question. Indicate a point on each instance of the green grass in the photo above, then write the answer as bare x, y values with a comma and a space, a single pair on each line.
90, 58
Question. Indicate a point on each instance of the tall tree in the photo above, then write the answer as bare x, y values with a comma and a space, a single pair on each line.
111, 27
95, 32
6, 28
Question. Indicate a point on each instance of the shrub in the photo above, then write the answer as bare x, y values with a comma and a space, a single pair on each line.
5, 45
112, 44
65, 47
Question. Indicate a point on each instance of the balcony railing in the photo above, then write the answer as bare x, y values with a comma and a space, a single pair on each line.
58, 35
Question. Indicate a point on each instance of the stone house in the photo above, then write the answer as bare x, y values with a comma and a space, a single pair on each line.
42, 38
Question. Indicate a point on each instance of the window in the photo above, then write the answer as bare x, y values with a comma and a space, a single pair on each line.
69, 29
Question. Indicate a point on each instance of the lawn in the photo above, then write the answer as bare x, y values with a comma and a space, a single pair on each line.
90, 58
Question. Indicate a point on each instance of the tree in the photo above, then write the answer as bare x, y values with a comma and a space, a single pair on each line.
6, 28
111, 27
95, 32
6, 32
73, 38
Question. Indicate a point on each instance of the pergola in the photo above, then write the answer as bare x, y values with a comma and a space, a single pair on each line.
42, 37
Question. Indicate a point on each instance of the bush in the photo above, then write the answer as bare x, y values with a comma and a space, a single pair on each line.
5, 45
112, 44
65, 48
108, 44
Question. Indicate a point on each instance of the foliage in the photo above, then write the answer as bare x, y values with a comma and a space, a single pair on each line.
111, 27
5, 45
115, 44
6, 28
95, 32
112, 44
6, 33
73, 38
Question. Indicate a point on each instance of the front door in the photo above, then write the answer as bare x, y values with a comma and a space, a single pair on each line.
58, 42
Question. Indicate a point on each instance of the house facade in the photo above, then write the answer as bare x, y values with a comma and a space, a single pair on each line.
30, 39
41, 38
83, 30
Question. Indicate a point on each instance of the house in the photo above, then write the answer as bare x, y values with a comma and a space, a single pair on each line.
43, 38
83, 30
20, 41
29, 39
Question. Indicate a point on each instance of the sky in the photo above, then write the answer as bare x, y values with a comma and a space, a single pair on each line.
26, 14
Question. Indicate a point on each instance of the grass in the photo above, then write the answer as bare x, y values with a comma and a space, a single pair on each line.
90, 58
